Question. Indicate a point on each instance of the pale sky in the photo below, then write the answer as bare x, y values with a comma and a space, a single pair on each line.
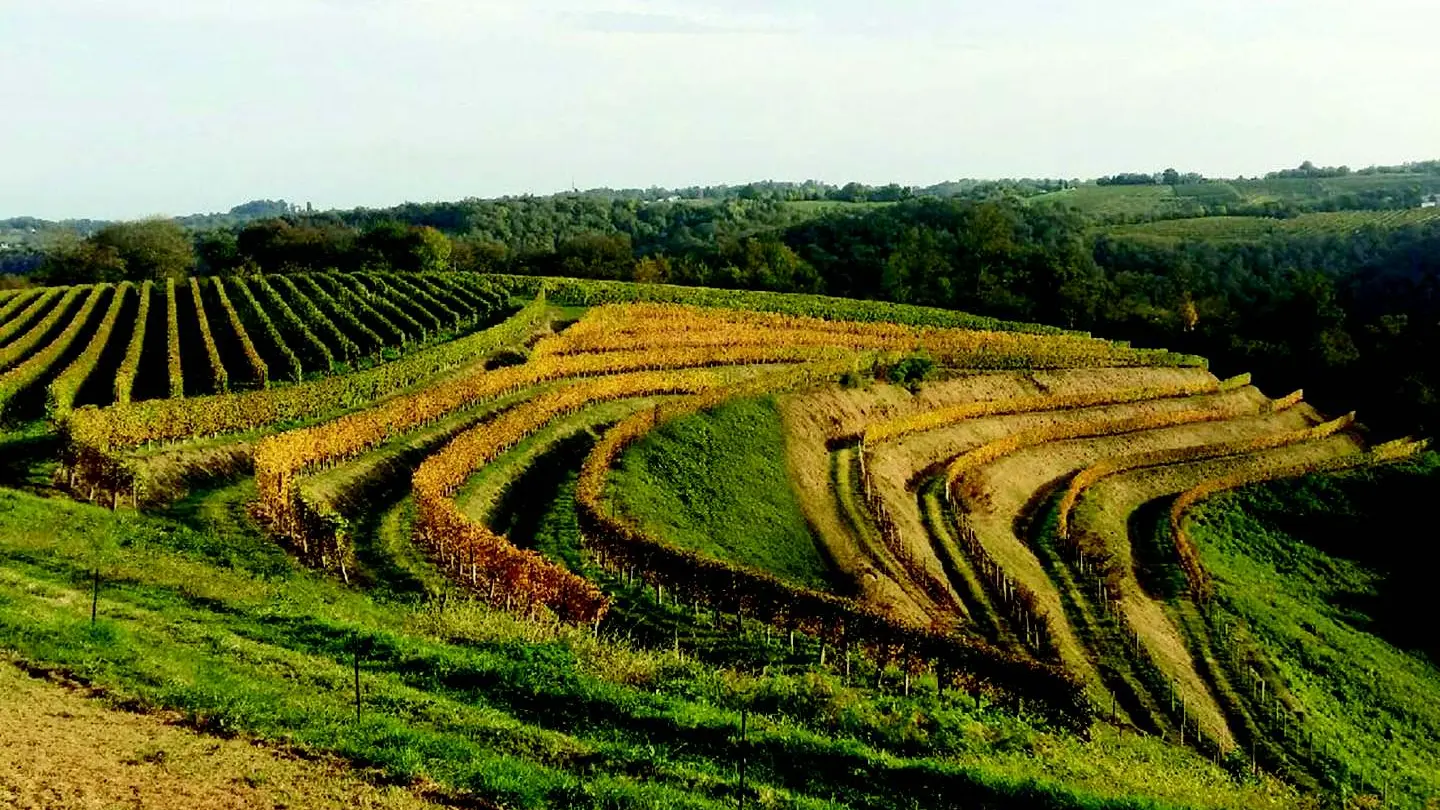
127, 108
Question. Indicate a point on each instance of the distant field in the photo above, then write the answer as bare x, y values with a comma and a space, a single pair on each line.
1132, 202
818, 207
1300, 189
1119, 201
1242, 229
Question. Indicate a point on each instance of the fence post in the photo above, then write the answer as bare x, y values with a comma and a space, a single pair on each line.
357, 679
744, 732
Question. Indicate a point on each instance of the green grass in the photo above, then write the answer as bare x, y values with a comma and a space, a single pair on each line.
489, 484
716, 482
1249, 229
1119, 202
821, 207
940, 527
1320, 580
200, 615
1305, 190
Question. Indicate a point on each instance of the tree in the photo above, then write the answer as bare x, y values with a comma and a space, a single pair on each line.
406, 248
431, 249
75, 261
219, 253
1189, 315
477, 254
596, 255
154, 249
1170, 177
277, 245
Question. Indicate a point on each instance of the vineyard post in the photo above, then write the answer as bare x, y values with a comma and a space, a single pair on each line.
94, 596
357, 680
744, 730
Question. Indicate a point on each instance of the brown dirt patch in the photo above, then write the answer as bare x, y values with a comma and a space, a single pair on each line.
62, 749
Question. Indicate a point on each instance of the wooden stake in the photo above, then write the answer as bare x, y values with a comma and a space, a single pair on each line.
357, 680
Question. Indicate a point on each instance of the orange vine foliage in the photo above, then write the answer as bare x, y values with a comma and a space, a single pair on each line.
279, 459
487, 562
617, 328
1101, 426
895, 429
1091, 475
618, 544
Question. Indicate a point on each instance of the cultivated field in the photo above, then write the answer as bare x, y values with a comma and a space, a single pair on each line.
615, 479
1244, 229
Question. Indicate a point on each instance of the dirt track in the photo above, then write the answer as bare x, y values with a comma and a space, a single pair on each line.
62, 749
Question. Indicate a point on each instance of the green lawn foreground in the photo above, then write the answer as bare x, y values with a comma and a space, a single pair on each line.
216, 623
1311, 569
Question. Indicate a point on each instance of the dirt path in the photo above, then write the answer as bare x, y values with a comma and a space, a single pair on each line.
62, 749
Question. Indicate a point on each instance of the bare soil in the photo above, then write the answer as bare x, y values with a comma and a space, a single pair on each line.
60, 748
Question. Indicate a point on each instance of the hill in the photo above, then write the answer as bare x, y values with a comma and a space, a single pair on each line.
1228, 229
606, 544
1271, 196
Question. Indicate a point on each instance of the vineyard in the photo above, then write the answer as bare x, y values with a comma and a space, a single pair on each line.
63, 348
1243, 229
1009, 529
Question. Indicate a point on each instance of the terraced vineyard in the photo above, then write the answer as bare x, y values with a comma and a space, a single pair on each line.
1012, 529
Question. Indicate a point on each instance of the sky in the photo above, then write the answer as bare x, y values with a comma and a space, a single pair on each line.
130, 108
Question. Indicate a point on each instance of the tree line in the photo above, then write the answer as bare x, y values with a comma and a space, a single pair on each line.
1349, 316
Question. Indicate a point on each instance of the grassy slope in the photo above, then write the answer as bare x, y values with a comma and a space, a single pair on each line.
212, 621
489, 485
1373, 707
717, 482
